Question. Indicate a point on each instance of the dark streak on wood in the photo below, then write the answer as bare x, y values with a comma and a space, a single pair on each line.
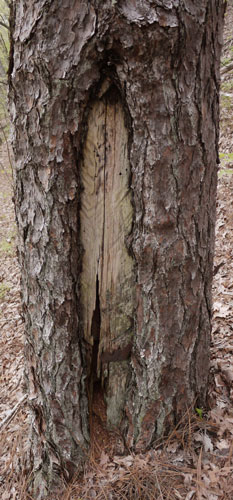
117, 355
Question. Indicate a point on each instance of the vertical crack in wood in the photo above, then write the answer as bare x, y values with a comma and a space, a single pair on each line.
95, 333
107, 278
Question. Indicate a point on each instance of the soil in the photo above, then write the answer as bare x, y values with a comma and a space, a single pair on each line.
197, 458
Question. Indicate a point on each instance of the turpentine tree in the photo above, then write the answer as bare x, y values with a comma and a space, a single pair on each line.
115, 113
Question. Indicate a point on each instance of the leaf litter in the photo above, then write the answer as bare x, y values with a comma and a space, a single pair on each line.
196, 461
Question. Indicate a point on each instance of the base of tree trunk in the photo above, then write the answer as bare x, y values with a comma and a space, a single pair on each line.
115, 109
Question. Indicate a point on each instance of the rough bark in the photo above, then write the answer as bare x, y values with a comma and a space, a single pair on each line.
163, 59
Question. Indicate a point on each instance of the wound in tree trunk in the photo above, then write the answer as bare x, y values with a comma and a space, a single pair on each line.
95, 334
108, 277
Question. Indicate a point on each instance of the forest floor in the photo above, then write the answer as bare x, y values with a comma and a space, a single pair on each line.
196, 460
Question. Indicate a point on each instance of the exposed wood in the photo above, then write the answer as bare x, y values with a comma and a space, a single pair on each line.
107, 277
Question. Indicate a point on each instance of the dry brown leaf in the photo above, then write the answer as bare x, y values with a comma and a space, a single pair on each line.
223, 444
207, 443
104, 458
126, 461
190, 495
188, 478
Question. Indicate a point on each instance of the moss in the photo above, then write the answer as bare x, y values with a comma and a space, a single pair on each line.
4, 43
226, 104
227, 86
226, 158
226, 101
5, 195
4, 288
225, 61
225, 171
6, 247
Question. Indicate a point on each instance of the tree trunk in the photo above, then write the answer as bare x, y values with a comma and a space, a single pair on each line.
115, 113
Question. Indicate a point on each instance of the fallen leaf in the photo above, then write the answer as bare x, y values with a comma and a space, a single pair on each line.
223, 444
104, 458
190, 495
207, 443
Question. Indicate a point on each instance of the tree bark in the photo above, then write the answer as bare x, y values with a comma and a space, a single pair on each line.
122, 87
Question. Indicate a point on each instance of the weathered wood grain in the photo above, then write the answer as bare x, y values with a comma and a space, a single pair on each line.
106, 221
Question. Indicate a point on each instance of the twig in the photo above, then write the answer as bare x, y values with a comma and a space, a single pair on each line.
7, 145
227, 68
225, 94
198, 492
157, 481
216, 269
13, 412
4, 25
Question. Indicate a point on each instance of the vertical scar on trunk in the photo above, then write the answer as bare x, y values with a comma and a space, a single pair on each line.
95, 335
107, 278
